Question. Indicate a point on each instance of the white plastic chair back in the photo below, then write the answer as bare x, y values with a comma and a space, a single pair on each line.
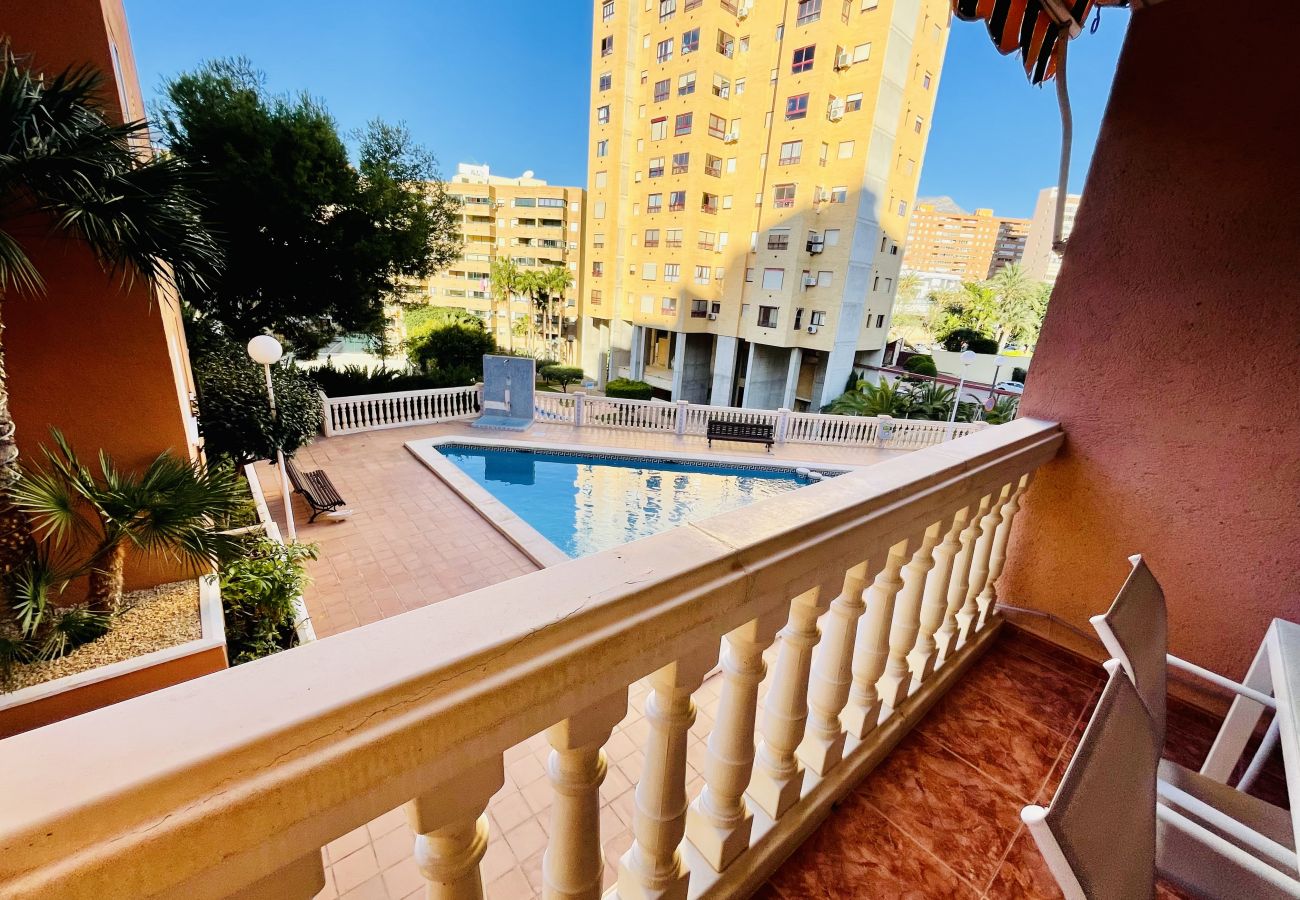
1135, 631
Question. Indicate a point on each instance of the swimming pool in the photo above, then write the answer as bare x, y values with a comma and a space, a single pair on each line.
584, 503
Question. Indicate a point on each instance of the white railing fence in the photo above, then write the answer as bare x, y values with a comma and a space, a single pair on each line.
231, 783
371, 412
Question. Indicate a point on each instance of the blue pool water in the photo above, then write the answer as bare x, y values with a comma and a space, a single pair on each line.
583, 504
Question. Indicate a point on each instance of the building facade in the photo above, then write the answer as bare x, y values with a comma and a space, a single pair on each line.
535, 224
752, 168
1042, 263
947, 244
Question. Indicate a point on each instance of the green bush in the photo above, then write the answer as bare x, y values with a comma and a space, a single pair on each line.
975, 341
234, 415
352, 380
627, 389
452, 350
921, 365
562, 375
258, 589
1018, 374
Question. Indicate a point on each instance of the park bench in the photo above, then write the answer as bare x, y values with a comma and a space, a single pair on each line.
744, 432
316, 488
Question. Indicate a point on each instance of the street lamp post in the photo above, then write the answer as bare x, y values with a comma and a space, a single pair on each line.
967, 357
267, 351
999, 361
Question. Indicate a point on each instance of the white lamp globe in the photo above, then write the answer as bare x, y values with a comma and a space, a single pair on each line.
265, 349
967, 356
1002, 360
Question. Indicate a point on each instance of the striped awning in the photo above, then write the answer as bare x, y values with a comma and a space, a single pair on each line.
1032, 27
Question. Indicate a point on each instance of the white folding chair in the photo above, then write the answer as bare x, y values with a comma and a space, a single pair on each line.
1105, 836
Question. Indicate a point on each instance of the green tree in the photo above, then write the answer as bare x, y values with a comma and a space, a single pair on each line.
556, 283
315, 245
453, 349
1020, 304
532, 284
505, 278
66, 169
884, 398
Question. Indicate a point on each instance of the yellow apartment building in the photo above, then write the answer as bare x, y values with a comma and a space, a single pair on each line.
947, 245
752, 168
525, 219
1042, 263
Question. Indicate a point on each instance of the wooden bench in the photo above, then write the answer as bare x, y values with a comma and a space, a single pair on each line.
744, 432
316, 488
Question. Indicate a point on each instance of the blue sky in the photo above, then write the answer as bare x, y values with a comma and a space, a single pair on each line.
995, 139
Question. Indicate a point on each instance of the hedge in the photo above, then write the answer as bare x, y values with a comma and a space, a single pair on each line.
627, 389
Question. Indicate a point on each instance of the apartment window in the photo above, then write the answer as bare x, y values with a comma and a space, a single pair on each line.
707, 240
654, 202
744, 44
918, 124
686, 84
825, 278
778, 239
602, 179
796, 107
791, 153
607, 11
647, 303
690, 41
925, 81
701, 274
649, 271
607, 46
656, 167
681, 163
803, 59
602, 148
666, 9
831, 237
599, 211
682, 125
893, 249
598, 242
809, 11
709, 203
868, 5
767, 315
767, 120
721, 86
726, 44
602, 115
662, 89
862, 52
839, 194
595, 298
673, 272
902, 207
773, 279
652, 237
664, 51
713, 165
853, 103
673, 239
798, 318
783, 196
597, 269
846, 149
606, 81
699, 309
668, 307
749, 276
692, 4
676, 201
659, 128
717, 127
880, 321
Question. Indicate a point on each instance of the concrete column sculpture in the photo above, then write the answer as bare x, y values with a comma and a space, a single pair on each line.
895, 684
935, 614
871, 649
451, 831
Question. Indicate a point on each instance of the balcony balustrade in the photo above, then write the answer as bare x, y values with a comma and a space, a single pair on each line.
231, 783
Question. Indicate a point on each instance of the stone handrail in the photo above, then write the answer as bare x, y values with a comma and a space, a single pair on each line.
372, 412
232, 782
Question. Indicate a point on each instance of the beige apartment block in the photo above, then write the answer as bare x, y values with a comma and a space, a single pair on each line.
753, 165
947, 245
1042, 263
524, 219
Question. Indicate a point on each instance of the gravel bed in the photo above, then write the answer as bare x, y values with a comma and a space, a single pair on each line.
152, 619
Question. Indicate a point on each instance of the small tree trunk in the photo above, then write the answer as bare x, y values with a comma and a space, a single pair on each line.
106, 580
15, 532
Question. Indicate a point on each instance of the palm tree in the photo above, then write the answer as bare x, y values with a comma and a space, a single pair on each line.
168, 508
66, 168
1020, 304
558, 281
505, 283
885, 398
532, 284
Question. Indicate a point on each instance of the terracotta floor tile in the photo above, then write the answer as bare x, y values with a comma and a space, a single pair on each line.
510, 886
1024, 875
1044, 694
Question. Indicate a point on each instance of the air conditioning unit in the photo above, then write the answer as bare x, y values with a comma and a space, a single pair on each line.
816, 245
812, 329
744, 10
810, 280
836, 111
713, 317
731, 137
843, 60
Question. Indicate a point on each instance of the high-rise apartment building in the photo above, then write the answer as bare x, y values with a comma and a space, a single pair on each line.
944, 242
752, 168
1042, 263
524, 219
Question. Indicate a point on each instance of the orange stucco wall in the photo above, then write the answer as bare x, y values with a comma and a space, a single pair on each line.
1171, 350
103, 361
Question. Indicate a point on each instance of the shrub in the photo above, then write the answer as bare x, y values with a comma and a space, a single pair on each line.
975, 341
921, 365
562, 375
452, 350
234, 415
1018, 374
627, 389
351, 380
258, 589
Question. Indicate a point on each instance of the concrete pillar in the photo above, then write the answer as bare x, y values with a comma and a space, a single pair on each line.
749, 376
678, 361
724, 369
637, 362
792, 377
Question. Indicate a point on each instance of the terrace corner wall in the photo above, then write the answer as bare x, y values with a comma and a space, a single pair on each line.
1171, 351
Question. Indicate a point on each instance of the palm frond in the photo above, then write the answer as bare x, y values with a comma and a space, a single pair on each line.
72, 627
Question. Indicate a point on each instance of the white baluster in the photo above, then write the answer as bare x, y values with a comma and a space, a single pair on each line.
935, 614
958, 591
719, 822
823, 740
451, 831
572, 865
998, 555
871, 649
979, 567
653, 867
778, 776
896, 683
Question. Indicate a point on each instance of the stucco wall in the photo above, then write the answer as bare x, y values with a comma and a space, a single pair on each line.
1184, 251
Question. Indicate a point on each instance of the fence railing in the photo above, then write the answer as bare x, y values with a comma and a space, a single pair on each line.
371, 412
233, 782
